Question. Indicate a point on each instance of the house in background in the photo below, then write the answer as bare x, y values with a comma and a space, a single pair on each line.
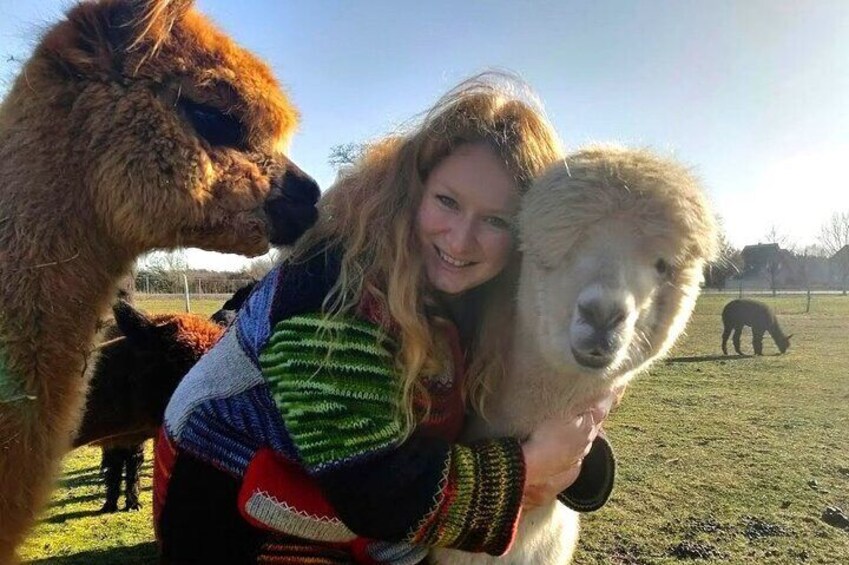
768, 266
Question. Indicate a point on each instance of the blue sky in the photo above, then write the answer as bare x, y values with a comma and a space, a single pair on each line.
754, 94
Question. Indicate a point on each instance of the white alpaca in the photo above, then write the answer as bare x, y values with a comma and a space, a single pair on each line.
614, 242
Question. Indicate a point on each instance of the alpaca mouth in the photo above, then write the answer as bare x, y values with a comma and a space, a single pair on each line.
592, 360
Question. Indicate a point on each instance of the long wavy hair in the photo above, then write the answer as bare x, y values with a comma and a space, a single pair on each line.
370, 214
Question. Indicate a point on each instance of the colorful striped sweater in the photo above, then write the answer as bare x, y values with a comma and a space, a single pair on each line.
297, 416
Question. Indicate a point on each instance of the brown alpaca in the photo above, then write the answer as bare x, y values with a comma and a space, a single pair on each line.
142, 360
135, 125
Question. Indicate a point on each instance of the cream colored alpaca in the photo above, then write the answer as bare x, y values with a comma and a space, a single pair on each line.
614, 241
135, 125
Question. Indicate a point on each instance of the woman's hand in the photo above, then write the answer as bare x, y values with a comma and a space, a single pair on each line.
554, 451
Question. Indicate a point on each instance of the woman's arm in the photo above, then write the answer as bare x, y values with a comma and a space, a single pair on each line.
336, 390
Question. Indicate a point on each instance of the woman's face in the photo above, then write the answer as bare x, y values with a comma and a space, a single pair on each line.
465, 219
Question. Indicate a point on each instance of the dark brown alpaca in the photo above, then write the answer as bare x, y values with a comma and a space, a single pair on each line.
135, 125
141, 363
227, 313
756, 315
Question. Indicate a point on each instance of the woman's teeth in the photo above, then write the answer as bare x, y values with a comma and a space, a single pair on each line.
451, 260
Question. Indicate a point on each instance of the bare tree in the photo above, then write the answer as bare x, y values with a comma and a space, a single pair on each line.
260, 266
165, 269
834, 239
774, 265
779, 236
728, 264
345, 154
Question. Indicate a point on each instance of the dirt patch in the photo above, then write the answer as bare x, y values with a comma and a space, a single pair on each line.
756, 528
695, 550
627, 553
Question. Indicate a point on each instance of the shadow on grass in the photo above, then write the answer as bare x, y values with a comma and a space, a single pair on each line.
81, 479
58, 503
141, 554
100, 497
72, 474
702, 358
62, 518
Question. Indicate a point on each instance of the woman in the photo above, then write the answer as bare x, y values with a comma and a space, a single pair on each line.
323, 427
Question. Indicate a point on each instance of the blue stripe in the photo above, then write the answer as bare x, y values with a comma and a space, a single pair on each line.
253, 323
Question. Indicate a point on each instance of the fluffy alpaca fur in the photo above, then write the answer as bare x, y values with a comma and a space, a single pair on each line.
135, 125
142, 360
613, 244
759, 317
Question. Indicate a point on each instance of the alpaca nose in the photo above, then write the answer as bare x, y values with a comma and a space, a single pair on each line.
291, 206
602, 318
597, 349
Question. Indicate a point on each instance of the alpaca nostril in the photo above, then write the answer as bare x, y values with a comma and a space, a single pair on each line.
600, 318
616, 319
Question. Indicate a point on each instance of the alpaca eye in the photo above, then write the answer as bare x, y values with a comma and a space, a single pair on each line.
215, 126
662, 267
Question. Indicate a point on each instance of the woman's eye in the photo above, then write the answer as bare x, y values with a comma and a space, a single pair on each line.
447, 201
216, 127
661, 266
499, 223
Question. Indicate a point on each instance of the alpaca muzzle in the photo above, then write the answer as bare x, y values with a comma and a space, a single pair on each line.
291, 207
597, 343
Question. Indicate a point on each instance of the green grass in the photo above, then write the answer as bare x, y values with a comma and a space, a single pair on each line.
733, 459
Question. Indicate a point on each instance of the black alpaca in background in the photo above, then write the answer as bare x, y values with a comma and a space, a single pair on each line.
141, 362
228, 311
133, 381
756, 315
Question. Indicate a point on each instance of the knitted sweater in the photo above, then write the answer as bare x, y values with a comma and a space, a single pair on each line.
299, 424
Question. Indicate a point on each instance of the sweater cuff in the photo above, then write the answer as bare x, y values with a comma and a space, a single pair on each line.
482, 498
595, 482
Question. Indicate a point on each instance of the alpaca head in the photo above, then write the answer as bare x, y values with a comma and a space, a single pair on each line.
783, 342
227, 313
176, 134
140, 365
173, 340
614, 241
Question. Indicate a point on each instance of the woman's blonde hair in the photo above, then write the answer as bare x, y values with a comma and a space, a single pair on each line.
370, 213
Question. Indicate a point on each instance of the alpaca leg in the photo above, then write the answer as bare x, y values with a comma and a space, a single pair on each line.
758, 341
112, 467
133, 461
726, 333
738, 332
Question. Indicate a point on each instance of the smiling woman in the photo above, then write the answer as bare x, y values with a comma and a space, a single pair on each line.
464, 219
334, 438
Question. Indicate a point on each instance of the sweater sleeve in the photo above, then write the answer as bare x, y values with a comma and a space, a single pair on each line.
335, 387
594, 484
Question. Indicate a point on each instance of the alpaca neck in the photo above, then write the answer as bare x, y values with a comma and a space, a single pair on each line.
60, 280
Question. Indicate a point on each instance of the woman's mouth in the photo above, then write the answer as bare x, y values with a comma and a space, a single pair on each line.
454, 262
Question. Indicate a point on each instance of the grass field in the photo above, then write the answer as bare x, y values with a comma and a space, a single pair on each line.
722, 460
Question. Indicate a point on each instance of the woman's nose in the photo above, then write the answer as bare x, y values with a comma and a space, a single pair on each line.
462, 238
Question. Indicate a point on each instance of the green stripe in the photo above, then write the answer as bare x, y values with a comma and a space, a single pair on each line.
335, 386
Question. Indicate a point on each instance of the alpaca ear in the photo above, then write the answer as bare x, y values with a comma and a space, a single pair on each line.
788, 337
134, 324
96, 37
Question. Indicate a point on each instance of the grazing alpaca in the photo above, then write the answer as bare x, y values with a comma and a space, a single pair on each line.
759, 317
135, 125
141, 363
613, 244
